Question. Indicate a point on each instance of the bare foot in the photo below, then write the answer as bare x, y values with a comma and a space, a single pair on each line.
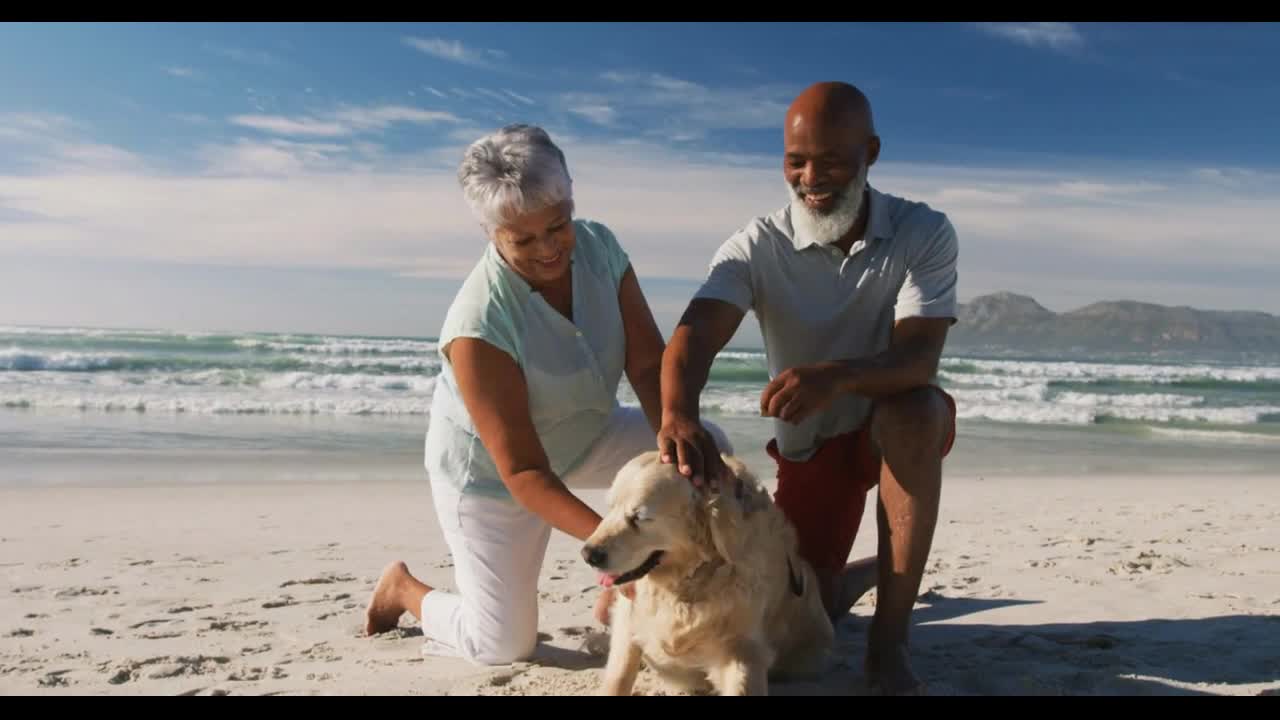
889, 672
387, 604
857, 579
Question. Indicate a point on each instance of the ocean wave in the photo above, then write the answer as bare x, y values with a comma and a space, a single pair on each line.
208, 404
21, 360
25, 360
341, 346
391, 363
1081, 414
352, 383
1139, 400
1081, 371
1230, 436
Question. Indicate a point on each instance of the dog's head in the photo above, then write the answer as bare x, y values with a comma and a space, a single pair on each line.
658, 520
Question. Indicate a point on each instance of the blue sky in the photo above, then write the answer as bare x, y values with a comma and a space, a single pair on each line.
300, 177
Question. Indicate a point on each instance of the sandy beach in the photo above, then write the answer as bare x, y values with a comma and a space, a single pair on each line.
1038, 585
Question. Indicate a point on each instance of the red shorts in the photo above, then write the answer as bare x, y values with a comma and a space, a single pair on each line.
824, 496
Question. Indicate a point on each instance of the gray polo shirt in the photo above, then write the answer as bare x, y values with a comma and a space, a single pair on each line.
814, 303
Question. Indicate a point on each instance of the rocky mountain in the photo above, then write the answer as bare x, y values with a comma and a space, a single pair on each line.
1009, 324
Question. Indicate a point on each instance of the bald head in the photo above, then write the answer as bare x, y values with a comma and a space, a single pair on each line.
830, 143
833, 105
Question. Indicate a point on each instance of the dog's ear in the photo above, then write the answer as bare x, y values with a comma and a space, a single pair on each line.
726, 512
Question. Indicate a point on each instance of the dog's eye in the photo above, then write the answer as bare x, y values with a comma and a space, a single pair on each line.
633, 519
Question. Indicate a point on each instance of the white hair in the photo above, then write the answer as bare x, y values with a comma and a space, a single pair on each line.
827, 228
513, 171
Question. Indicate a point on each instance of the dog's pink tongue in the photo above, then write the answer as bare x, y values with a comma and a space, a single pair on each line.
606, 580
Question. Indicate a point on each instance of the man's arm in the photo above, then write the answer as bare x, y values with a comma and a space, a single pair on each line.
910, 362
497, 399
704, 329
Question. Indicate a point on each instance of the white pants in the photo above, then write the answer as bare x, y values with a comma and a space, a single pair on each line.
498, 548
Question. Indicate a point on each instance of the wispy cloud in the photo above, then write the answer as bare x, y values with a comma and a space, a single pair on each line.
282, 125
344, 121
49, 142
454, 51
21, 126
1227, 177
246, 55
597, 113
377, 118
518, 96
179, 71
434, 91
1058, 36
674, 108
497, 96
271, 158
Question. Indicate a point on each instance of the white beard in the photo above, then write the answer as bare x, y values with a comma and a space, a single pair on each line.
830, 227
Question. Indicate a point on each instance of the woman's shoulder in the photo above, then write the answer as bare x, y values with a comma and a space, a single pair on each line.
487, 304
600, 246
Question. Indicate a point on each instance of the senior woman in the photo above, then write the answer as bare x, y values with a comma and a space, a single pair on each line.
525, 406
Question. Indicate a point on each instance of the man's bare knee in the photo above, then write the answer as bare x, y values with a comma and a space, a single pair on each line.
916, 421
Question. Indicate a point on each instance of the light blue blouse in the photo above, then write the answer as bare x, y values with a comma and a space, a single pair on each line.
572, 369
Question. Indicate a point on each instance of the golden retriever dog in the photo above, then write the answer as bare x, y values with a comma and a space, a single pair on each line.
722, 600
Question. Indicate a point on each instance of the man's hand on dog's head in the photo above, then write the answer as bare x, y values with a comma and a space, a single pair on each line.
687, 443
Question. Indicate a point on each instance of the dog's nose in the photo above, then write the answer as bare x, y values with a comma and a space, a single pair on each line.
594, 556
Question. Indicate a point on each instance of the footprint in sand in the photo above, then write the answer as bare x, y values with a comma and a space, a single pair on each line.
160, 635
321, 651
252, 674
149, 623
187, 609
101, 631
1148, 561
54, 679
235, 625
282, 601
21, 633
141, 563
320, 580
22, 589
85, 591
162, 667
34, 616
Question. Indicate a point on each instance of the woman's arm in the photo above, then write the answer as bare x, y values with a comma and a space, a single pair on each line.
644, 348
494, 391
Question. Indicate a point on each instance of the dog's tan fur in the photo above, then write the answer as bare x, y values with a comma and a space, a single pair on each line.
719, 608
